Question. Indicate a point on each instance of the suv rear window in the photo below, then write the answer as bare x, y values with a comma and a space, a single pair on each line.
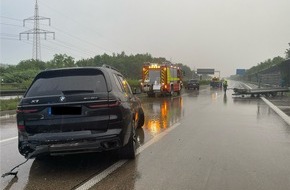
60, 82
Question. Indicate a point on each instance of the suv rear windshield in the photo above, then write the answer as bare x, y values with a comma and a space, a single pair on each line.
69, 81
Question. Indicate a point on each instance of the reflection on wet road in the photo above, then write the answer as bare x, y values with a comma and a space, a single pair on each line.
220, 142
161, 113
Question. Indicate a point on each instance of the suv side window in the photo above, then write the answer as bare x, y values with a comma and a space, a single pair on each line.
127, 87
118, 83
124, 85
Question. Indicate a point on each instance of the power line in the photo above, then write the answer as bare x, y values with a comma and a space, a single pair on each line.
87, 42
89, 28
11, 24
70, 48
70, 45
52, 49
67, 34
36, 31
7, 34
15, 19
7, 38
11, 18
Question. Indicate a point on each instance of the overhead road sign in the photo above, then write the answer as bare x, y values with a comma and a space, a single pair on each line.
241, 72
205, 71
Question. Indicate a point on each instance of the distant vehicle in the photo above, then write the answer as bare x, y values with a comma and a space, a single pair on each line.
161, 79
216, 82
78, 110
193, 84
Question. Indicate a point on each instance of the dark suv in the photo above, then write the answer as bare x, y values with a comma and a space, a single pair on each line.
78, 110
193, 84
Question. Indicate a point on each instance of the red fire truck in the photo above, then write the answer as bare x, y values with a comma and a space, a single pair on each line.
162, 79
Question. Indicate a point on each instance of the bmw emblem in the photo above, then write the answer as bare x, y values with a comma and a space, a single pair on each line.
62, 98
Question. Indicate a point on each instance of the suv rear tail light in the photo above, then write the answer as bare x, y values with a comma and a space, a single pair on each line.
21, 128
27, 111
105, 105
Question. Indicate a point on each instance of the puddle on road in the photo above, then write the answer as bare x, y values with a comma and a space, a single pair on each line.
161, 113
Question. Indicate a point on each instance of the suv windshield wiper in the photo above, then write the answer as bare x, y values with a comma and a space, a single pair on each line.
67, 92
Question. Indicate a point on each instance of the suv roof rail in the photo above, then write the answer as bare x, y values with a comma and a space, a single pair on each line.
109, 67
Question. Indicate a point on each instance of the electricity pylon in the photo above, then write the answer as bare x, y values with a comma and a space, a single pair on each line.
36, 31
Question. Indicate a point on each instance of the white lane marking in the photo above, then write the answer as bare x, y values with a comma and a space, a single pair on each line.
248, 86
10, 139
96, 179
156, 138
284, 116
7, 116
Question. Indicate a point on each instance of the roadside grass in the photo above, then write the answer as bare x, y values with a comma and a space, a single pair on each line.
204, 82
12, 86
10, 104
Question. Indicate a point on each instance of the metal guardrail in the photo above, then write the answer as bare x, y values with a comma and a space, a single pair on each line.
11, 92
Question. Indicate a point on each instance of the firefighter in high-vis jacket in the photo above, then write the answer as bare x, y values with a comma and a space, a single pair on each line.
225, 85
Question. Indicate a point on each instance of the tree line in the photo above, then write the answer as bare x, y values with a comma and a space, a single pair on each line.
265, 65
276, 61
129, 65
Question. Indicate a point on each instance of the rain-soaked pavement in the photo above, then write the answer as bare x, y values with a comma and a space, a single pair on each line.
199, 140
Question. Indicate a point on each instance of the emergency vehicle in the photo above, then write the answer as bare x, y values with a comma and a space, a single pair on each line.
215, 82
162, 79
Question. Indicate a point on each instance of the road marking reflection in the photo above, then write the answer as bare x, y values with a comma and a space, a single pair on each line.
10, 139
96, 179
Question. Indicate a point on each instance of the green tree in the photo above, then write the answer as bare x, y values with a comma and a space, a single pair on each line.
31, 64
61, 60
187, 73
277, 60
129, 65
287, 52
265, 65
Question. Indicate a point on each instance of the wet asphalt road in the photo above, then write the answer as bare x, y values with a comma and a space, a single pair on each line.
199, 140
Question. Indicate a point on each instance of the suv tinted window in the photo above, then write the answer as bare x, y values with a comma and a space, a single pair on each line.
118, 83
67, 81
125, 86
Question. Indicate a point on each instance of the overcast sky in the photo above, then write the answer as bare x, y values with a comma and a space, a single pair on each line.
221, 34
